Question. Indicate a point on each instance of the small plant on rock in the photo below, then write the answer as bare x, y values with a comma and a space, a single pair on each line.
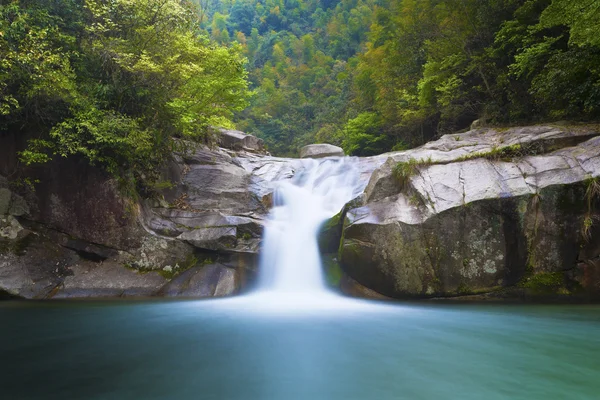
404, 170
592, 193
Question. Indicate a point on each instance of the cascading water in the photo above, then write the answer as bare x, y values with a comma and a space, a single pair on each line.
290, 277
290, 263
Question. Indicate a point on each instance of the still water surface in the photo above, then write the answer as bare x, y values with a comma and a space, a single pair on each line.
234, 349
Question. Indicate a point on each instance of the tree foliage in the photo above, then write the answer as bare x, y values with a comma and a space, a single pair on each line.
374, 74
113, 82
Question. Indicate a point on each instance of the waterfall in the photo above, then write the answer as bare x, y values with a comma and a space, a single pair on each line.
290, 262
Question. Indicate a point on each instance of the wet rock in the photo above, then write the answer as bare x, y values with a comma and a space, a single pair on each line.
321, 150
352, 288
478, 123
34, 269
156, 253
10, 228
5, 196
108, 279
469, 217
212, 238
18, 206
212, 280
237, 140
83, 202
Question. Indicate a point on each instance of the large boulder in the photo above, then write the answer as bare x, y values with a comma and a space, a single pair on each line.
85, 203
517, 211
83, 238
320, 151
238, 141
211, 280
108, 279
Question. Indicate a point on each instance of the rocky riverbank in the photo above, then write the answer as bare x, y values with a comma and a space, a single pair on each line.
490, 213
73, 234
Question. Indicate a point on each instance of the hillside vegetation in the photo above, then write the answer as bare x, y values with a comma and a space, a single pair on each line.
113, 81
375, 75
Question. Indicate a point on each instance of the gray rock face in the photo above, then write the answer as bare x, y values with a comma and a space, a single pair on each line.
86, 243
321, 150
473, 213
237, 140
11, 203
205, 231
10, 228
478, 212
213, 280
5, 196
85, 203
108, 280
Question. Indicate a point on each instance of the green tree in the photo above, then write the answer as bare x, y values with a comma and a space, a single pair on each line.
114, 82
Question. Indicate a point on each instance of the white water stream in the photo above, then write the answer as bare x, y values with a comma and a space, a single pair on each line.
290, 263
291, 276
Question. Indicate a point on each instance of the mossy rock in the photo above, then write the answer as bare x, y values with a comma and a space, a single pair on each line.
330, 234
333, 271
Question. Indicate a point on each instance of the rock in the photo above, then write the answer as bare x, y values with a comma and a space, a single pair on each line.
222, 187
18, 206
10, 228
352, 288
108, 279
478, 123
237, 140
212, 280
464, 224
156, 253
83, 202
477, 214
5, 196
35, 269
12, 204
330, 234
211, 238
321, 150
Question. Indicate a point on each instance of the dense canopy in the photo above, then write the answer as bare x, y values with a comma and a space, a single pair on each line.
372, 75
114, 81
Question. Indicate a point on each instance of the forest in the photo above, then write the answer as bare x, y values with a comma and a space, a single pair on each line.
379, 75
113, 82
116, 81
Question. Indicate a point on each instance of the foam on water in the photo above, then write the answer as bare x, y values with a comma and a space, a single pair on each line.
290, 263
290, 278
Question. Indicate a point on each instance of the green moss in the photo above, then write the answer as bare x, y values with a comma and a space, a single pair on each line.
416, 199
332, 223
244, 236
333, 271
352, 248
169, 272
501, 153
16, 247
343, 238
402, 171
546, 282
463, 289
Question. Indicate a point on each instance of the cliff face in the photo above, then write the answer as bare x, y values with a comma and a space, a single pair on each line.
493, 213
487, 213
75, 235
